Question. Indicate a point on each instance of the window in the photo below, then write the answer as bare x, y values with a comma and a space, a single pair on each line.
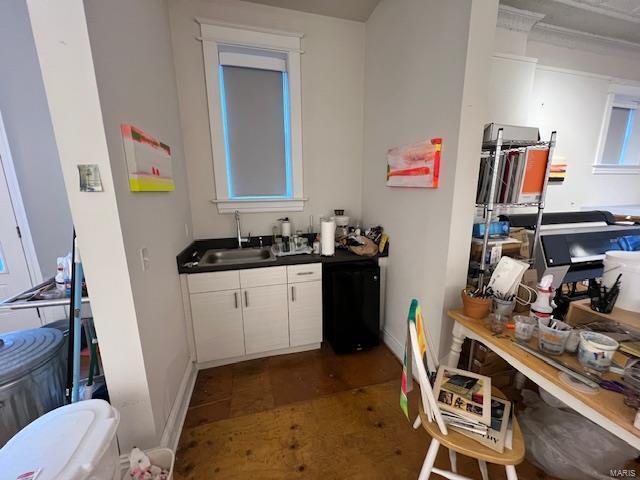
253, 90
619, 151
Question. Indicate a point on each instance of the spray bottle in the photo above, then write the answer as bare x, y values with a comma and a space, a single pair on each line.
542, 308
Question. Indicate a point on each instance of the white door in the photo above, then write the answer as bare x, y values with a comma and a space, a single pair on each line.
266, 319
14, 273
217, 325
305, 313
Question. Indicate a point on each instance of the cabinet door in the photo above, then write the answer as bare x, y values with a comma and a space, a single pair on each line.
305, 313
266, 319
217, 325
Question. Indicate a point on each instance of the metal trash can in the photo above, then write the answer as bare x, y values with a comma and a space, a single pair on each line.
32, 377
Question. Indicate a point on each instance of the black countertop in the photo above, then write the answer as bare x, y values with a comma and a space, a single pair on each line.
200, 246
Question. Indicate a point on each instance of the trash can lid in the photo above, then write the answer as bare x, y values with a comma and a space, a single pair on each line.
25, 350
66, 443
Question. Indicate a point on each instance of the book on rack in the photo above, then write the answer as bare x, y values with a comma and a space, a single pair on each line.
494, 436
464, 397
520, 176
534, 174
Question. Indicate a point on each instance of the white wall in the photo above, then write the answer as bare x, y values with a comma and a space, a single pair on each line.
416, 64
332, 111
568, 93
574, 106
26, 117
138, 315
131, 49
62, 43
610, 61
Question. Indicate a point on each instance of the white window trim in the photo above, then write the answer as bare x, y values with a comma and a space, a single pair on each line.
214, 34
598, 167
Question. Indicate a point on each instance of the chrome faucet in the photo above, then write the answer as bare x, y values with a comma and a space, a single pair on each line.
241, 239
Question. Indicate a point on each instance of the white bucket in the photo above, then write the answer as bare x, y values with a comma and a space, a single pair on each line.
161, 457
627, 264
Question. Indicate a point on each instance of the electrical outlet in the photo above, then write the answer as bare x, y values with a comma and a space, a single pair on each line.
144, 258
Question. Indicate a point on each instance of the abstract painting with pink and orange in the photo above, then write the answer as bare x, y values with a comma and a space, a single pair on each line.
148, 161
416, 165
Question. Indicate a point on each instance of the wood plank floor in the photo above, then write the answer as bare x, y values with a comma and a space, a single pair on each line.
311, 415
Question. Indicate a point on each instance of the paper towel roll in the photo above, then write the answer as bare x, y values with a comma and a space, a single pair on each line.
328, 237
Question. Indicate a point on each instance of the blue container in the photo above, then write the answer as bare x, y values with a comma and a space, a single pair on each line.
497, 229
629, 243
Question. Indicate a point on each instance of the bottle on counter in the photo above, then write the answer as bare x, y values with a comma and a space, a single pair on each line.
542, 308
59, 279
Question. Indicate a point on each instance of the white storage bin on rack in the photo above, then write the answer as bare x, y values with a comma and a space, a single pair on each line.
74, 442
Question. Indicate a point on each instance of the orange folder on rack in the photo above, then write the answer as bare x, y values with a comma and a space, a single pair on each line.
534, 175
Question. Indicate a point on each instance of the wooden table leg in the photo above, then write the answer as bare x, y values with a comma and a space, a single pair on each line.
456, 345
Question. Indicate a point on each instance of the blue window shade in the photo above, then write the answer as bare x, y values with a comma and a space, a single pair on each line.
255, 115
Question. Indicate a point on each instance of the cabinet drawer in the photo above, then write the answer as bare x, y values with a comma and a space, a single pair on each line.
213, 281
309, 272
261, 277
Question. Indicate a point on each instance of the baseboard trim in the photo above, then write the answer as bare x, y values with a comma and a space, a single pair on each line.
173, 428
253, 356
175, 422
394, 345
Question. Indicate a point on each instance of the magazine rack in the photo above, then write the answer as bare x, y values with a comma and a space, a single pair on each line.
493, 150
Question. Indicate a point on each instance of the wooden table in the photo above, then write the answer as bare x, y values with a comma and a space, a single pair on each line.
580, 313
605, 408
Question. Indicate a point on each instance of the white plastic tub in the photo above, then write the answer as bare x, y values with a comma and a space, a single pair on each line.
161, 457
74, 442
627, 264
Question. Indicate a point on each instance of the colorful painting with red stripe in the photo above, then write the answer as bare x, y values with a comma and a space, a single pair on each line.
416, 165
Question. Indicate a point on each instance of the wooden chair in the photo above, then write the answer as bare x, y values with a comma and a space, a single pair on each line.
431, 419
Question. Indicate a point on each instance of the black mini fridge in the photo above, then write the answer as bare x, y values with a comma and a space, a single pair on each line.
351, 305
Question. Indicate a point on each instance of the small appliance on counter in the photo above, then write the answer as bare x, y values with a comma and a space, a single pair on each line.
342, 224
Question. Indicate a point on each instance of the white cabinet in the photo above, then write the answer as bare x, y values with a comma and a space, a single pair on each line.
305, 313
257, 310
266, 318
217, 325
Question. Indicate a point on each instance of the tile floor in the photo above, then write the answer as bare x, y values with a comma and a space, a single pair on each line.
311, 415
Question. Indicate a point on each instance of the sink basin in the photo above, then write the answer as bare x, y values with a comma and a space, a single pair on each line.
237, 256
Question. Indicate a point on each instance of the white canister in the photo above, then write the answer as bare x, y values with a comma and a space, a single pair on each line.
285, 227
627, 264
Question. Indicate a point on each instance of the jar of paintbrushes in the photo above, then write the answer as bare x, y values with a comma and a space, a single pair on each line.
503, 304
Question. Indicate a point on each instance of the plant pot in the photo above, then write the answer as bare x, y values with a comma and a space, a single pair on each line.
475, 307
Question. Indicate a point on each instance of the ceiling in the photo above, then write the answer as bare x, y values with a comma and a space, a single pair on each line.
609, 18
358, 10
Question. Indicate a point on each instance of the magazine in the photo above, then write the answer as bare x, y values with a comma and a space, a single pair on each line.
496, 434
464, 394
